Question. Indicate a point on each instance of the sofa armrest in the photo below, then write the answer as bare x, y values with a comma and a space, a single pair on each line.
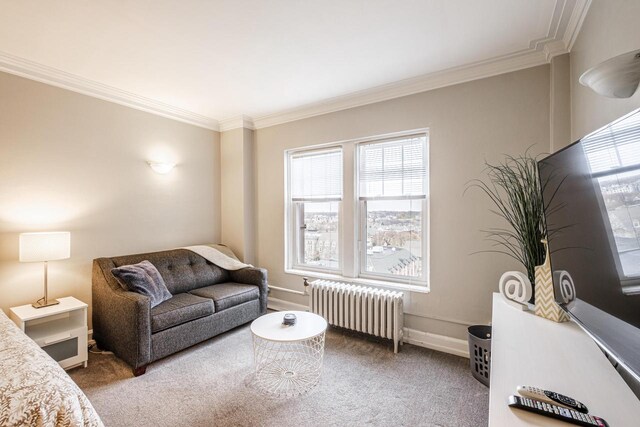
121, 319
253, 276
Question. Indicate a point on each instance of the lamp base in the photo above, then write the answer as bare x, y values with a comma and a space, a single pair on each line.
43, 303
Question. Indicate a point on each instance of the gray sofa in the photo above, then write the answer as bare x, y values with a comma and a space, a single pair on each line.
207, 301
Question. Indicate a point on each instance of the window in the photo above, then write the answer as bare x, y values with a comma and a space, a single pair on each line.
316, 196
379, 232
392, 183
613, 155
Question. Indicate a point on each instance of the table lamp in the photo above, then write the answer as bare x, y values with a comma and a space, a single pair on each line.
44, 247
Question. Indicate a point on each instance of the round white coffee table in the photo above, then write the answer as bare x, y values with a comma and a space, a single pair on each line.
288, 358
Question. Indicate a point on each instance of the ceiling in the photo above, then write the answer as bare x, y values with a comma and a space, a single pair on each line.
227, 63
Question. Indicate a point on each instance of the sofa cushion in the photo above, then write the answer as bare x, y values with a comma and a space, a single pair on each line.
182, 308
225, 295
144, 279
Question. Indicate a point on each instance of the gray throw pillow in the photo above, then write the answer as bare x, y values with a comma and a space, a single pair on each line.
143, 278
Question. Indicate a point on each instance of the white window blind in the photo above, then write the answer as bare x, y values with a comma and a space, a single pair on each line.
615, 147
394, 169
316, 175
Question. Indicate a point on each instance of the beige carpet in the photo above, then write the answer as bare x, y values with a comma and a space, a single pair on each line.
363, 383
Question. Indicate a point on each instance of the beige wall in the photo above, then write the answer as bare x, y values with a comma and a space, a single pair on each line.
232, 181
610, 28
468, 123
71, 162
560, 108
237, 181
249, 196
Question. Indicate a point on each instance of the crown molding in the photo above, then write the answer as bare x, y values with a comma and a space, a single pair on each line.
32, 70
565, 24
237, 122
564, 27
578, 15
440, 79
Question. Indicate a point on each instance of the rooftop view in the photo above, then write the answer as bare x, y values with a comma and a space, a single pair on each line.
394, 245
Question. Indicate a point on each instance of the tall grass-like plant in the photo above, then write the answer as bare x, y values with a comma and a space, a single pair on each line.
516, 192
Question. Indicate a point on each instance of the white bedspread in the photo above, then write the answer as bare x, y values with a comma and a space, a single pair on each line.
34, 389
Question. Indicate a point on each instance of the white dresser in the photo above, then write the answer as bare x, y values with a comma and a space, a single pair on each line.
530, 350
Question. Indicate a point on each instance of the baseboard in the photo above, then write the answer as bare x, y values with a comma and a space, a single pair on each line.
90, 340
437, 342
282, 305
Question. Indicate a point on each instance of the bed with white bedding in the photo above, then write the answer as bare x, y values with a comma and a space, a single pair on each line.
34, 389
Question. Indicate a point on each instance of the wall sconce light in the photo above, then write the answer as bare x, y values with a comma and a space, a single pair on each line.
161, 168
617, 77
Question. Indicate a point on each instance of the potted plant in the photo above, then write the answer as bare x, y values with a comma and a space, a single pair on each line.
514, 188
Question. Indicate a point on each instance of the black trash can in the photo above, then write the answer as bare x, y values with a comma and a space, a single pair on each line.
480, 352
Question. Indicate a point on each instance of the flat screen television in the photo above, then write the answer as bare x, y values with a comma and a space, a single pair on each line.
591, 193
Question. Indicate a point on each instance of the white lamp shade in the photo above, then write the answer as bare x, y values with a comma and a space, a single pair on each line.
48, 246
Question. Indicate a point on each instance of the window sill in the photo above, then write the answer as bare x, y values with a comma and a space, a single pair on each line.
423, 289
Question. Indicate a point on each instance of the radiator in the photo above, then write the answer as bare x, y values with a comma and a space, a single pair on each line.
369, 310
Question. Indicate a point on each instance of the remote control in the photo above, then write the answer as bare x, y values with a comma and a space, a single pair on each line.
551, 397
557, 412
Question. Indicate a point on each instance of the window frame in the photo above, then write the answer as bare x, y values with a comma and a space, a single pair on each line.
350, 223
361, 215
294, 213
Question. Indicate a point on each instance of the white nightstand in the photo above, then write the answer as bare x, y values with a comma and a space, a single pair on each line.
61, 330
